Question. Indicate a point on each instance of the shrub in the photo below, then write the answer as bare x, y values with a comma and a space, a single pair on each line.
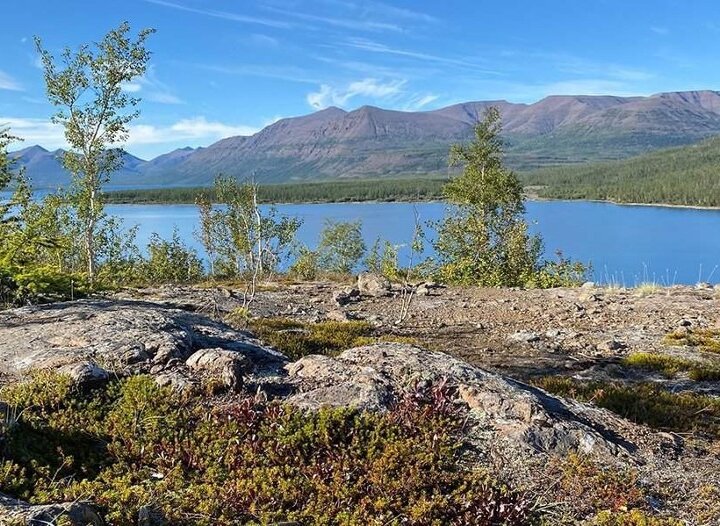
383, 260
562, 272
585, 486
171, 261
256, 463
306, 265
341, 246
38, 284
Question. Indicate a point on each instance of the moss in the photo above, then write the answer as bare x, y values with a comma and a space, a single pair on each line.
704, 504
297, 339
704, 374
707, 340
666, 365
670, 366
632, 518
644, 403
255, 463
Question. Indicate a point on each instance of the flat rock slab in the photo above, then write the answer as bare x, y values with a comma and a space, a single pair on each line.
117, 335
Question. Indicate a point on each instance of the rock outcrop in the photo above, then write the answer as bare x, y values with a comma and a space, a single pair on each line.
92, 339
370, 378
374, 285
13, 511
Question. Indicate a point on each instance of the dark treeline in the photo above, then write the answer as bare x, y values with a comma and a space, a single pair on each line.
321, 192
689, 176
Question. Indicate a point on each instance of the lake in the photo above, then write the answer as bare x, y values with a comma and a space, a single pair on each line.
626, 245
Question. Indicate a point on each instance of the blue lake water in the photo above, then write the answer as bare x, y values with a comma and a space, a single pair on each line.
625, 245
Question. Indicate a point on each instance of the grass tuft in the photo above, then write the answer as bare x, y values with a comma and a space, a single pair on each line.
296, 339
707, 340
644, 403
670, 366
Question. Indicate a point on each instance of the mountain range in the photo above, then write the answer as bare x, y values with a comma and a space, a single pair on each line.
374, 142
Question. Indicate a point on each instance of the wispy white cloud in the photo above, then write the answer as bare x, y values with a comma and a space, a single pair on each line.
399, 12
382, 9
9, 83
377, 47
419, 102
262, 40
659, 30
344, 23
285, 72
152, 88
225, 15
35, 131
35, 100
369, 88
191, 130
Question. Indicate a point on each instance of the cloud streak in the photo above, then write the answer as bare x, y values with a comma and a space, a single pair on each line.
9, 83
152, 89
344, 23
225, 15
194, 129
377, 47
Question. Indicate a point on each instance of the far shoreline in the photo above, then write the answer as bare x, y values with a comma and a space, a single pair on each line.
534, 198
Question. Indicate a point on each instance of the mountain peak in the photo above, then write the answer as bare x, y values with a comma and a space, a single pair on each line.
32, 150
331, 109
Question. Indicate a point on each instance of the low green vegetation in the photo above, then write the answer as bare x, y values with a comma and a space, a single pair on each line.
296, 339
407, 189
670, 366
680, 176
632, 518
706, 340
135, 444
644, 403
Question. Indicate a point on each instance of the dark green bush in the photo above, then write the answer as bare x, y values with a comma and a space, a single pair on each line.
171, 261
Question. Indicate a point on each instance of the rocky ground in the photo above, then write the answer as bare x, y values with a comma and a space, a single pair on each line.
489, 343
520, 333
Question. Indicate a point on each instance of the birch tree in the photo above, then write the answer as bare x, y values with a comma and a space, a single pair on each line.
86, 86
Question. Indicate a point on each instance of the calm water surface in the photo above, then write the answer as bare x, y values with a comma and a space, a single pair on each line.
626, 245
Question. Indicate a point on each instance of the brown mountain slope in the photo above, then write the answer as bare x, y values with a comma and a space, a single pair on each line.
373, 142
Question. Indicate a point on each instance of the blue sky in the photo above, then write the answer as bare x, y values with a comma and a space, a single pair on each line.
229, 67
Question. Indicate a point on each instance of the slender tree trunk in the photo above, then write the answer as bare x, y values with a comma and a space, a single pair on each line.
90, 234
